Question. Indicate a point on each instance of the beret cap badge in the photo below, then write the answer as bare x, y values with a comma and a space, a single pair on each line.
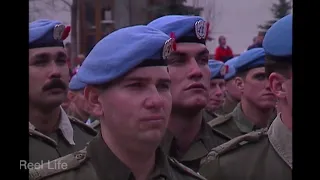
58, 31
168, 48
201, 29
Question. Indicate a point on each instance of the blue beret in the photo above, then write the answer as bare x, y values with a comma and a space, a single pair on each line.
278, 39
231, 73
47, 33
250, 59
75, 84
217, 69
185, 28
122, 51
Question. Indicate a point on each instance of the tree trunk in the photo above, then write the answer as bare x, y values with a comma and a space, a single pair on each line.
74, 32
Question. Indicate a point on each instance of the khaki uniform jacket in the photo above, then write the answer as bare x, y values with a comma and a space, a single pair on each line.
97, 162
262, 155
202, 144
234, 124
72, 135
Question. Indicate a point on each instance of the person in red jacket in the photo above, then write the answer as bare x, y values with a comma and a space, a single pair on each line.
223, 51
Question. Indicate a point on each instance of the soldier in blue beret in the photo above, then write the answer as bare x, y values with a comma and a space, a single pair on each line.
189, 137
52, 133
128, 88
232, 92
267, 153
256, 108
217, 87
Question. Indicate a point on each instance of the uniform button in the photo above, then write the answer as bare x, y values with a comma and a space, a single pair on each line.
79, 156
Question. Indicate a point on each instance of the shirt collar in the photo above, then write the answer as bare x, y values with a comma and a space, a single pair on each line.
280, 138
64, 125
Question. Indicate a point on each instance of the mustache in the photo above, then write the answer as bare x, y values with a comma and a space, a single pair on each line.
55, 83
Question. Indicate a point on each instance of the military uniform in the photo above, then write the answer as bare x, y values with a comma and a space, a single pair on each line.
200, 147
97, 162
263, 154
207, 116
235, 123
72, 135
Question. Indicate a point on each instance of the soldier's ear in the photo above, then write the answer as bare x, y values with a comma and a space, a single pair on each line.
70, 95
91, 95
239, 82
276, 82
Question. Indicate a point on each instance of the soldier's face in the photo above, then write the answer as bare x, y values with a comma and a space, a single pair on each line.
232, 90
48, 76
136, 107
255, 88
190, 76
216, 94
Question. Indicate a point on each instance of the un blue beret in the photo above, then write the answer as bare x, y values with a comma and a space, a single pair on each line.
250, 59
46, 33
185, 28
217, 69
278, 39
122, 51
75, 84
231, 73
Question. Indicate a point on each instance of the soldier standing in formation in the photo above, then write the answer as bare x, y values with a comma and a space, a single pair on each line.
128, 88
265, 154
189, 138
232, 92
52, 133
257, 106
217, 88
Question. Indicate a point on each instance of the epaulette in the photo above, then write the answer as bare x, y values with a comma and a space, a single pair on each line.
239, 141
95, 124
83, 125
220, 119
185, 169
63, 164
39, 135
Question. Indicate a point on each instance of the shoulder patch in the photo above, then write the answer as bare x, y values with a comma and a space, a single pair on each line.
39, 135
236, 142
184, 168
220, 120
59, 165
95, 124
83, 125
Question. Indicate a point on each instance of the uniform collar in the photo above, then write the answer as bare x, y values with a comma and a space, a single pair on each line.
242, 122
280, 138
64, 125
105, 161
